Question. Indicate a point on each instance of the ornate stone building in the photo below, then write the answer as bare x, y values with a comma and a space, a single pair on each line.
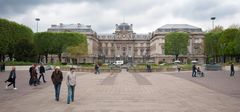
124, 44
195, 46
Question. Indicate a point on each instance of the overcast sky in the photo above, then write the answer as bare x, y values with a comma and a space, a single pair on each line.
145, 15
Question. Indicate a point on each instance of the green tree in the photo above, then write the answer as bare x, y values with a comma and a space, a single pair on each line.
57, 43
76, 52
44, 44
211, 44
25, 51
227, 41
176, 43
237, 46
11, 34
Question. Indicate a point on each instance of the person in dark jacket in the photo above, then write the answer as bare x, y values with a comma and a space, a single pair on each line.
57, 78
97, 71
194, 68
12, 78
31, 78
232, 70
42, 72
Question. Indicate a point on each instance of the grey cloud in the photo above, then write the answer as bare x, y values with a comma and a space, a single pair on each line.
104, 14
199, 10
13, 7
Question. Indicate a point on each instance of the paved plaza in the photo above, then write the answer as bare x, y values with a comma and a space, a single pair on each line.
127, 92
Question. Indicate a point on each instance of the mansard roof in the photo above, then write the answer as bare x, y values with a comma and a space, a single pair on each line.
178, 27
80, 27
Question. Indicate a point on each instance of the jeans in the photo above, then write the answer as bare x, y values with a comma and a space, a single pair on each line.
97, 71
30, 80
70, 94
57, 90
194, 73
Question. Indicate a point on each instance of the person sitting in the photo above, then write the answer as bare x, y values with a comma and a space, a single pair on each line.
199, 72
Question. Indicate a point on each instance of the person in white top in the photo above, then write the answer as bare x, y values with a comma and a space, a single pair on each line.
71, 83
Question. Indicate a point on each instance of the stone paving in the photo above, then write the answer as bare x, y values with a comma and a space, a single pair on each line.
122, 92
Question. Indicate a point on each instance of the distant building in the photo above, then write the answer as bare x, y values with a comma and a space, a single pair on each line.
124, 44
84, 29
195, 46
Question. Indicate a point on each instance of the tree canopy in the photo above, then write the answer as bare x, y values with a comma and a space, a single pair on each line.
223, 45
11, 34
176, 43
57, 43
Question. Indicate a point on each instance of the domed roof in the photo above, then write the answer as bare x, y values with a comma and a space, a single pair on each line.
123, 26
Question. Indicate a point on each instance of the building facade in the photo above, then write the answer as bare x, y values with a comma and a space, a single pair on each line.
124, 44
195, 46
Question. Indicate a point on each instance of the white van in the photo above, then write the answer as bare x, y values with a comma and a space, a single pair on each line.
119, 62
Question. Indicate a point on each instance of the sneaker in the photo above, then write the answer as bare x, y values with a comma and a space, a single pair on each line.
15, 88
6, 87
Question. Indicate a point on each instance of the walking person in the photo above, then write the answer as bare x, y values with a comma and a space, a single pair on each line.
178, 68
57, 78
71, 83
34, 75
97, 71
42, 72
194, 70
232, 71
12, 78
31, 78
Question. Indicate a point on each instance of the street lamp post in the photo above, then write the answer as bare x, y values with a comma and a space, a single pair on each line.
37, 19
213, 18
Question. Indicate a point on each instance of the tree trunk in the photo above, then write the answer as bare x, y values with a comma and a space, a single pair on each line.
237, 58
51, 59
1, 60
10, 56
46, 57
39, 58
176, 57
60, 57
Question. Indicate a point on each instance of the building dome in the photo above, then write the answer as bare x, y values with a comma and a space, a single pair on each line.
124, 26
